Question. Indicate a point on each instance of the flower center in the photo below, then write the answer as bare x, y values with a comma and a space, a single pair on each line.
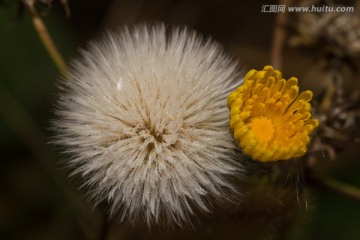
263, 128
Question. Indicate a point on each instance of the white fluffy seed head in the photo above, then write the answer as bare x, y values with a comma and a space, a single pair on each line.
143, 118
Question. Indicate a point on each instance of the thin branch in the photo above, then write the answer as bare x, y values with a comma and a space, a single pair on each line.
46, 38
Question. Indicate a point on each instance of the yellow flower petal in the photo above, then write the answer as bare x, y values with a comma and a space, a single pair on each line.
270, 119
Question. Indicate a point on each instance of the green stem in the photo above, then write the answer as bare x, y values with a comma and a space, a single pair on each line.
335, 186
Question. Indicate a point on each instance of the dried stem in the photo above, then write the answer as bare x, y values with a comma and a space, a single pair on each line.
327, 99
279, 36
334, 90
357, 7
46, 38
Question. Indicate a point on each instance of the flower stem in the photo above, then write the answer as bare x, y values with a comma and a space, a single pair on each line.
335, 186
104, 231
46, 38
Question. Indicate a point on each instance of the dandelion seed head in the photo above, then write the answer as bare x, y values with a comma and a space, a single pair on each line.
143, 118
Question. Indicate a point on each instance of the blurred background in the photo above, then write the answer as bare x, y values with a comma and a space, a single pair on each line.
39, 201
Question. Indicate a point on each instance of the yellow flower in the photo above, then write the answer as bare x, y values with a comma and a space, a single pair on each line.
269, 118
